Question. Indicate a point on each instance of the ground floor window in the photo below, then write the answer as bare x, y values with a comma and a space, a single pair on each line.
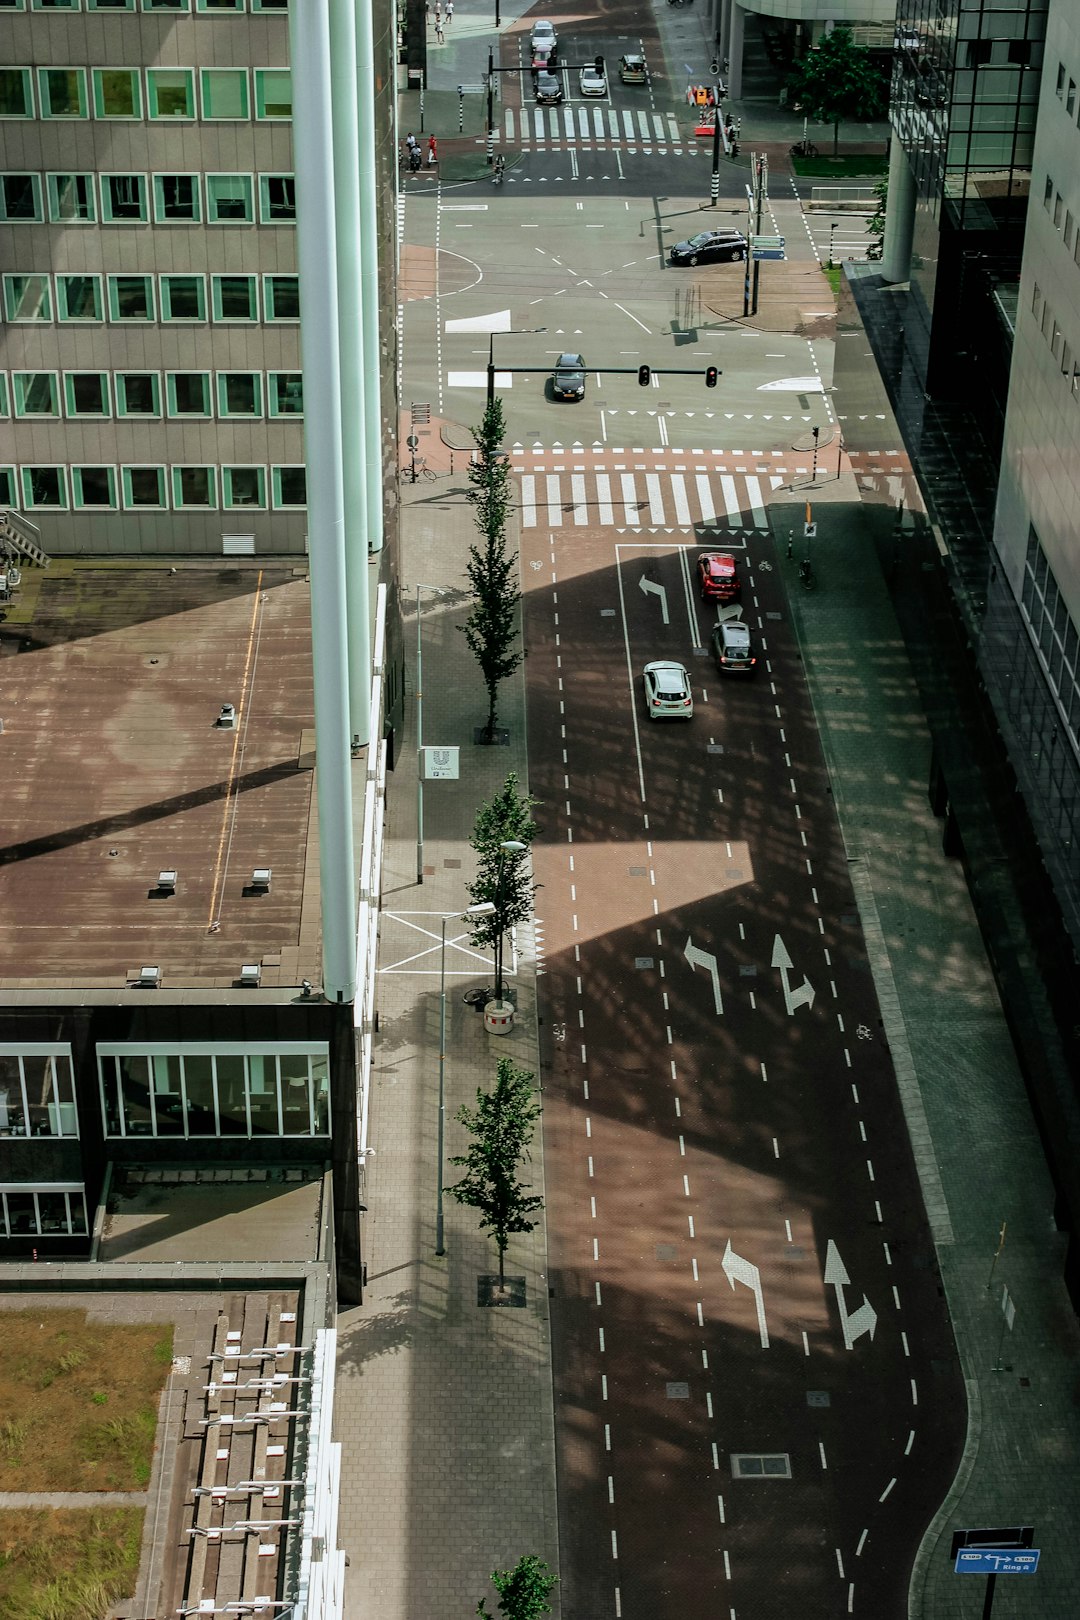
228, 1090
37, 1094
45, 1209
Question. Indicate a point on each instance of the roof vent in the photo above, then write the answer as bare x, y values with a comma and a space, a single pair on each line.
251, 973
260, 880
227, 717
166, 882
149, 977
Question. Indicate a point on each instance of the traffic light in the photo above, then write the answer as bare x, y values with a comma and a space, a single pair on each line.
711, 375
643, 375
599, 64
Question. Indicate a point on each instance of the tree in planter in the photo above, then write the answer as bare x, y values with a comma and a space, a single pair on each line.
836, 81
502, 1125
523, 1591
875, 225
502, 877
492, 627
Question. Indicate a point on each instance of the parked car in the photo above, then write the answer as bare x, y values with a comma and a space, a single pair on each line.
632, 69
568, 381
548, 88
710, 247
717, 577
543, 36
591, 82
668, 695
733, 649
545, 56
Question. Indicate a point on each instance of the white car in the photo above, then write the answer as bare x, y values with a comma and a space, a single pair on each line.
543, 39
592, 82
668, 694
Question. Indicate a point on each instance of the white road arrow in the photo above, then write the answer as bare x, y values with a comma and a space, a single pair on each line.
725, 615
650, 588
736, 1269
804, 995
861, 1320
699, 958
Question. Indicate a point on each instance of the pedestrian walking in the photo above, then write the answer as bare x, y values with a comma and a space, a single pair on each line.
432, 152
439, 40
438, 18
449, 11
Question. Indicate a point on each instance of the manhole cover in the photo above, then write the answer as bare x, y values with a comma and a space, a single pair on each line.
638, 871
747, 971
715, 748
666, 1251
818, 1397
644, 961
678, 1392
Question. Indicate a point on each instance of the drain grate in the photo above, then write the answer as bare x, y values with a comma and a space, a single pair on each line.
765, 1465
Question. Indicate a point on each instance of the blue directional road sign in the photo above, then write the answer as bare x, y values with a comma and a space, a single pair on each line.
996, 1561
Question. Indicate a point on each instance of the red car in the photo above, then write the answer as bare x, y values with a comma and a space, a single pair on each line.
717, 577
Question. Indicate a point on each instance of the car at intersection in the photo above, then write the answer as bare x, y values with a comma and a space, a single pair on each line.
568, 381
718, 578
710, 247
668, 694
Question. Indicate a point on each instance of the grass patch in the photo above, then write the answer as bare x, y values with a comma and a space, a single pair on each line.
69, 1564
844, 168
57, 1372
833, 274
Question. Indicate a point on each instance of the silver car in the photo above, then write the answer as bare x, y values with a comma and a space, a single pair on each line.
668, 694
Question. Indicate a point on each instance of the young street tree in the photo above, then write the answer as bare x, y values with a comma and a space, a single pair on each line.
502, 877
836, 81
502, 1126
523, 1591
492, 627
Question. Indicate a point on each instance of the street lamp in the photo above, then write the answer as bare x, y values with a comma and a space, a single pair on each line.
510, 846
420, 737
486, 908
515, 331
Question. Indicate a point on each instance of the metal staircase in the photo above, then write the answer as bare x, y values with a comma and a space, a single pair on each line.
20, 538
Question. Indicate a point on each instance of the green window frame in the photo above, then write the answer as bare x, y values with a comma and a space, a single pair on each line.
166, 5
194, 489
170, 92
54, 5
243, 489
239, 394
219, 5
20, 198
124, 199
131, 298
4, 407
138, 394
78, 298
86, 393
12, 5
93, 489
27, 298
45, 488
285, 394
277, 199
110, 5
230, 199
234, 298
143, 488
273, 93
270, 5
16, 92
117, 92
72, 199
8, 487
36, 394
187, 394
62, 92
225, 93
183, 298
281, 298
289, 488
177, 199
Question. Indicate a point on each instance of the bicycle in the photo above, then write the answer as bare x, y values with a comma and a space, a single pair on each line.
804, 148
807, 577
418, 468
498, 171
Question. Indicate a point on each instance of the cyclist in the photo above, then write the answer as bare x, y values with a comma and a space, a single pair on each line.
499, 169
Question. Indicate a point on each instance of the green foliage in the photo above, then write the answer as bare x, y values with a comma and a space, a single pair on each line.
875, 225
502, 1126
836, 81
492, 627
523, 1591
13, 1436
124, 1444
506, 817
67, 1565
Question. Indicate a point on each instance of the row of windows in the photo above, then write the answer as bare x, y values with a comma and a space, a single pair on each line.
1052, 630
1068, 362
142, 488
44, 1212
37, 1095
1066, 92
249, 395
1062, 217
86, 298
133, 199
210, 7
156, 92
215, 1094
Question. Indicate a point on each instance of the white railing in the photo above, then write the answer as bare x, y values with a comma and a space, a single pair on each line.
367, 921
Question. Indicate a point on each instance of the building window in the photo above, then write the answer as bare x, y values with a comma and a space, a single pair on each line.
144, 487
194, 487
4, 408
20, 198
123, 199
1058, 206
277, 199
239, 393
269, 5
93, 487
229, 199
285, 393
1019, 52
243, 487
220, 5
138, 393
8, 487
1070, 99
170, 92
117, 93
78, 298
71, 199
44, 488
131, 298
165, 5
228, 1090
86, 393
187, 393
281, 298
16, 93
183, 298
225, 93
176, 199
27, 298
42, 1209
55, 5
273, 93
234, 298
36, 393
1061, 78
289, 486
110, 5
62, 92
1048, 193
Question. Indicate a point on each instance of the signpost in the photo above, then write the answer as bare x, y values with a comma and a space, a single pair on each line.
994, 1552
769, 247
996, 1561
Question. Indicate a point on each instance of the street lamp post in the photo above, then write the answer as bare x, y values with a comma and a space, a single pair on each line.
485, 909
514, 331
420, 737
510, 846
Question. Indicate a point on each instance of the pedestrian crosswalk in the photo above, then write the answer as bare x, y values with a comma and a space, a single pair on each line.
637, 500
541, 125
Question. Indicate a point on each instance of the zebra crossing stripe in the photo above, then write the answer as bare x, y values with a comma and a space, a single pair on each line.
581, 510
628, 124
598, 123
603, 491
682, 505
673, 128
613, 123
554, 501
568, 122
656, 504
727, 490
510, 123
705, 500
528, 501
632, 500
630, 506
643, 125
583, 122
757, 509
658, 126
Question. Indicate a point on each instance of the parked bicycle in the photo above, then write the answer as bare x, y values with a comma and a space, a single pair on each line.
804, 148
